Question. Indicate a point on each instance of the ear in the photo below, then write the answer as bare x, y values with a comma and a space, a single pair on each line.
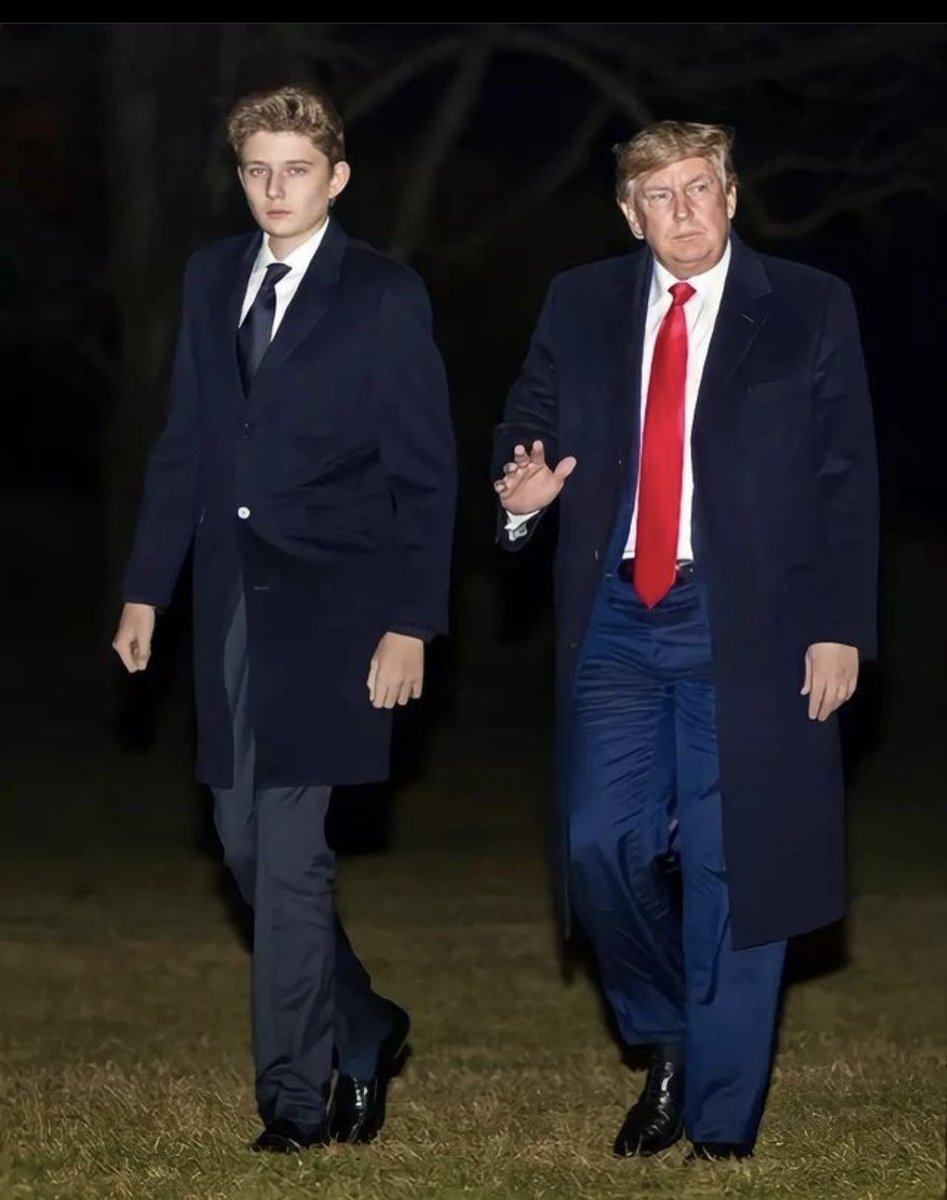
631, 217
731, 200
341, 173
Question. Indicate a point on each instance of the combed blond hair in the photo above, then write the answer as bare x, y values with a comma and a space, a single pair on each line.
288, 110
665, 142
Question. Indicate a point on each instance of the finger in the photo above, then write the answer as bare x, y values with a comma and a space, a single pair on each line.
829, 704
404, 693
807, 681
123, 650
537, 453
372, 676
565, 467
816, 696
416, 689
142, 651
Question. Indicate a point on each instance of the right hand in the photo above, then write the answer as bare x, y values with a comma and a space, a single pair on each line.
528, 483
132, 641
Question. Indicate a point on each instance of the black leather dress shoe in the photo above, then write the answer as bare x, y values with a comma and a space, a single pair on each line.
283, 1137
656, 1120
357, 1108
714, 1151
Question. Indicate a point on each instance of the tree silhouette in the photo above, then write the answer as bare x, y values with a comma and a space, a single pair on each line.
482, 153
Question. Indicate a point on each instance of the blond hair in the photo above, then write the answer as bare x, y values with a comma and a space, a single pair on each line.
667, 142
288, 110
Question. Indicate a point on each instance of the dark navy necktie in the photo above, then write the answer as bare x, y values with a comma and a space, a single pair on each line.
256, 329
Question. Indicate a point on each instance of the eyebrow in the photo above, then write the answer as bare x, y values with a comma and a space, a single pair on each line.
292, 162
663, 187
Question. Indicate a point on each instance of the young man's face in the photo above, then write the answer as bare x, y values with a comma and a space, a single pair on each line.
289, 185
683, 212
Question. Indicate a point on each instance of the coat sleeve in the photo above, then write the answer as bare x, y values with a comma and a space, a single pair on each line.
418, 453
168, 509
846, 575
531, 412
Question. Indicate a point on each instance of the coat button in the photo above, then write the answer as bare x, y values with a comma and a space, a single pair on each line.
243, 513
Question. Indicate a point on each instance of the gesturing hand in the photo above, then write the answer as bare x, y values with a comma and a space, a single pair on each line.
831, 676
527, 483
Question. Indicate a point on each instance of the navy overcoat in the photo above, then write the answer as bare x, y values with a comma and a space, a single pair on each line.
327, 495
785, 529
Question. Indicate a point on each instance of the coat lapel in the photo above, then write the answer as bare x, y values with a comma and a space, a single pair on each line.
225, 316
744, 309
316, 292
630, 309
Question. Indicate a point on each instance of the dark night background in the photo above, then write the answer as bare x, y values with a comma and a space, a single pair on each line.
481, 154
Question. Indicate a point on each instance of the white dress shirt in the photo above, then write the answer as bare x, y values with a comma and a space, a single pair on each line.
700, 313
297, 261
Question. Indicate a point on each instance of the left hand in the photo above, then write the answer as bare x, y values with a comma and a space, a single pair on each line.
831, 676
396, 673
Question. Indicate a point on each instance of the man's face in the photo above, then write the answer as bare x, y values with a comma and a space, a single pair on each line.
683, 212
289, 185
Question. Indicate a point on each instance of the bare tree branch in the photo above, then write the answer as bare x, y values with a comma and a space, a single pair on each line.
459, 99
401, 73
543, 187
604, 81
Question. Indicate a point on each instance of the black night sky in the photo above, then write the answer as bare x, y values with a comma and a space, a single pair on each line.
481, 153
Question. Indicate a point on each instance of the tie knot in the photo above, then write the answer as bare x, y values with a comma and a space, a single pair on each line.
681, 293
274, 273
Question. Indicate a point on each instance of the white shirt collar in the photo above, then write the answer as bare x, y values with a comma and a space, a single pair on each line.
706, 284
299, 259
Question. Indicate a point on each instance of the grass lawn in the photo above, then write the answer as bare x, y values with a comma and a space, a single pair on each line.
125, 1066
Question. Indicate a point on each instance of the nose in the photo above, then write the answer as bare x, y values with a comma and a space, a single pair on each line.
274, 185
682, 205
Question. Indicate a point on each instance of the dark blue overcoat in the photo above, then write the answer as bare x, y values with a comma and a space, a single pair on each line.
785, 527
342, 462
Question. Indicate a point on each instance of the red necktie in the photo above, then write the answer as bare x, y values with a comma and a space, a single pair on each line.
662, 456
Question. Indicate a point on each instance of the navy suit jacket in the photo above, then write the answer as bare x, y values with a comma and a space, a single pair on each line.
785, 536
343, 453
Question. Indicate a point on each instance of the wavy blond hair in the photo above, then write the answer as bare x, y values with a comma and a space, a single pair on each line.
667, 142
288, 110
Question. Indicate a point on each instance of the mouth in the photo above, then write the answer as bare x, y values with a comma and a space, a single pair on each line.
275, 213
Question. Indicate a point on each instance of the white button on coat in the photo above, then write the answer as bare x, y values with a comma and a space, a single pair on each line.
243, 513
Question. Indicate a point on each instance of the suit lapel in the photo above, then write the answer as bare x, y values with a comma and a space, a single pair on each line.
316, 292
628, 313
235, 272
744, 309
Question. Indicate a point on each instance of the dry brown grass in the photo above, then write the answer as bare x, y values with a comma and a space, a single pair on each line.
126, 1069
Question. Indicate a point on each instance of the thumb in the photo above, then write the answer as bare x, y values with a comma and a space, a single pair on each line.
565, 467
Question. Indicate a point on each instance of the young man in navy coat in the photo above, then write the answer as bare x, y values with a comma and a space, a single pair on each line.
701, 414
309, 458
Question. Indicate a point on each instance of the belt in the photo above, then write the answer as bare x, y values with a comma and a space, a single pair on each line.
684, 570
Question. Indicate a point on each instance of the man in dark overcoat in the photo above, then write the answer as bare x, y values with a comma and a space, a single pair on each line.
702, 415
308, 458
